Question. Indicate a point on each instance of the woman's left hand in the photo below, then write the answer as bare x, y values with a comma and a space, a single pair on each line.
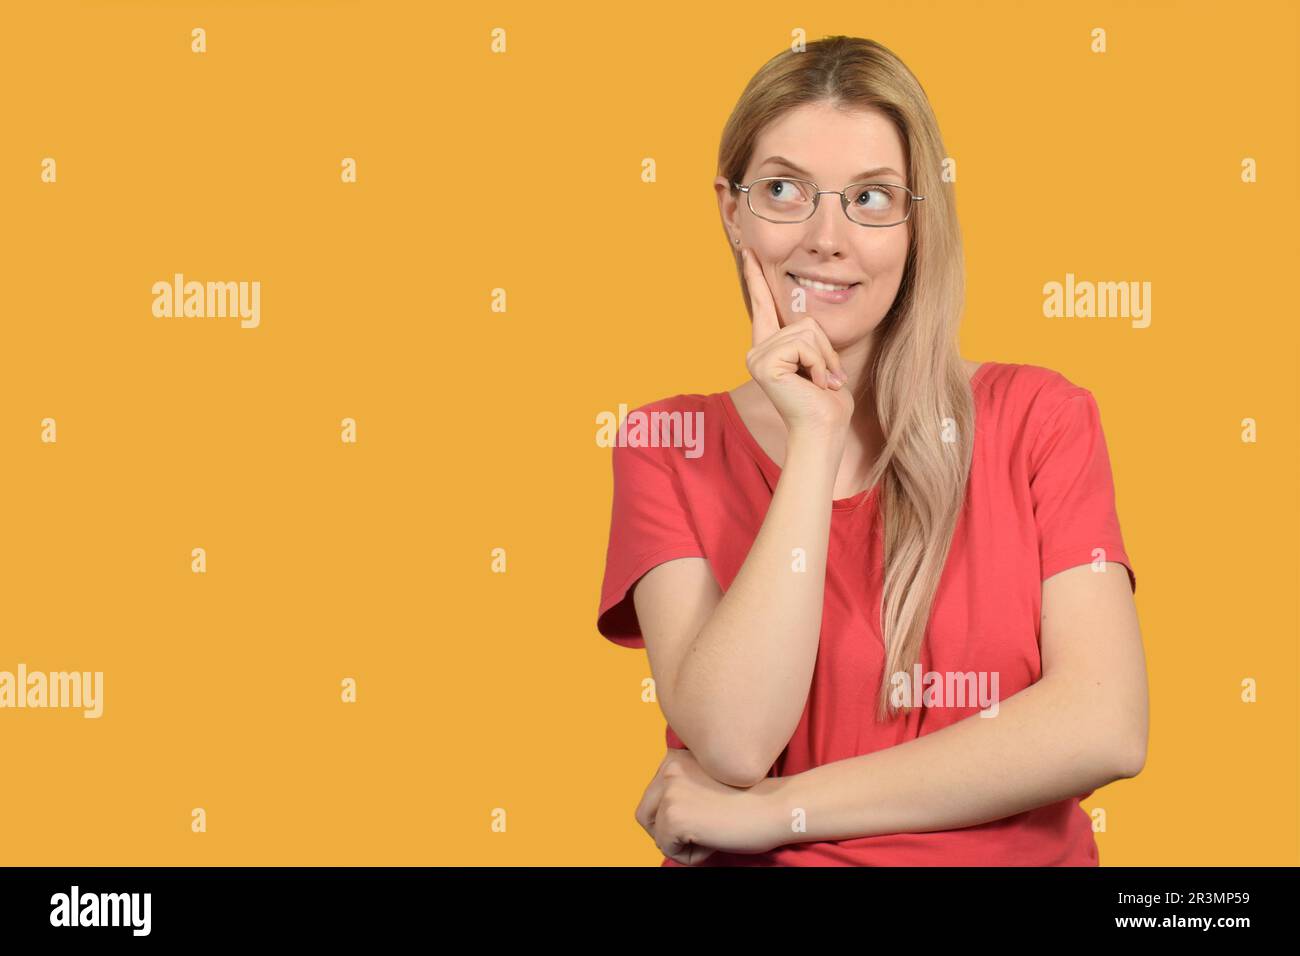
690, 815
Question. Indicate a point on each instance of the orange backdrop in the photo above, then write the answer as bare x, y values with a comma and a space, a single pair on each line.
482, 169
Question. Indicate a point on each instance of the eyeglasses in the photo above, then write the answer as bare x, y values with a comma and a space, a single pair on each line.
780, 199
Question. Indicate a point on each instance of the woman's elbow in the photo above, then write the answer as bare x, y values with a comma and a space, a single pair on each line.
728, 763
1131, 756
729, 768
724, 755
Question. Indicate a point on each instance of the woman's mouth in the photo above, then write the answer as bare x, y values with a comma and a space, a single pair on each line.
824, 291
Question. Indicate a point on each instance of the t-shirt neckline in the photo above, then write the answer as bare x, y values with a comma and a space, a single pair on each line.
773, 471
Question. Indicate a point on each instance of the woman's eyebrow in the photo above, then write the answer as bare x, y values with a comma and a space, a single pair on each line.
782, 161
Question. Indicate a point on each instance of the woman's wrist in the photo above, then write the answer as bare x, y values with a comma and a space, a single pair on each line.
821, 443
777, 819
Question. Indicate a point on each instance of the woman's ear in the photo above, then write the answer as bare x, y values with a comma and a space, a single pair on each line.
727, 209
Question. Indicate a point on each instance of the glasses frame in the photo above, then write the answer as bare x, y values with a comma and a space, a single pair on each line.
818, 192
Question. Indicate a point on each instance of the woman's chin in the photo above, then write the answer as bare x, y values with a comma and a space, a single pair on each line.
842, 330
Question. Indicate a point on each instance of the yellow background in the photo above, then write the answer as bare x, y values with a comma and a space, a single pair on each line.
477, 429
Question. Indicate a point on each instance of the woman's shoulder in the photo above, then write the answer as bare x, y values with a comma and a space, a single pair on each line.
1019, 398
684, 401
1030, 385
666, 428
694, 407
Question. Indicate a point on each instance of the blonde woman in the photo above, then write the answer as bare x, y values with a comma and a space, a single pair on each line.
886, 601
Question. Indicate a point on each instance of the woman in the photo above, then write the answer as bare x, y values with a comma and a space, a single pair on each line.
886, 602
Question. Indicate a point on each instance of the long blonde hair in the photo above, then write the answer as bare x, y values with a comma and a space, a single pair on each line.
916, 375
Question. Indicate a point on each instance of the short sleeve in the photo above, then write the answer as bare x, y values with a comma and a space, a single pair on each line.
650, 523
1072, 489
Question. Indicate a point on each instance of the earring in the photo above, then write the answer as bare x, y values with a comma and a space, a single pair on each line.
737, 242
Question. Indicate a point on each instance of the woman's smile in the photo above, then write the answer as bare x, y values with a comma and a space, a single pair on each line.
822, 291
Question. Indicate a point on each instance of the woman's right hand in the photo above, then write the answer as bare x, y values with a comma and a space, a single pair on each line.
814, 401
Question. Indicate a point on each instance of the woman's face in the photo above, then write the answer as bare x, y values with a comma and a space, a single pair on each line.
833, 149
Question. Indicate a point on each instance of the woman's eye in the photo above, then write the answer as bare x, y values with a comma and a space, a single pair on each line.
881, 196
784, 190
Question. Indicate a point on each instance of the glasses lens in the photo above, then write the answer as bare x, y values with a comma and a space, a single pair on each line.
878, 204
782, 200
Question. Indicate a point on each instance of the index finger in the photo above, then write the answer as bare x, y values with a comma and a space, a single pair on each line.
765, 324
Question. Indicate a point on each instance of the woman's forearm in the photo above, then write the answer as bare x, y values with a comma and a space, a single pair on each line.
743, 683
1047, 742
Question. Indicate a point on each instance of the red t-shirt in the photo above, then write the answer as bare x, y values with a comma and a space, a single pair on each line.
1040, 500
